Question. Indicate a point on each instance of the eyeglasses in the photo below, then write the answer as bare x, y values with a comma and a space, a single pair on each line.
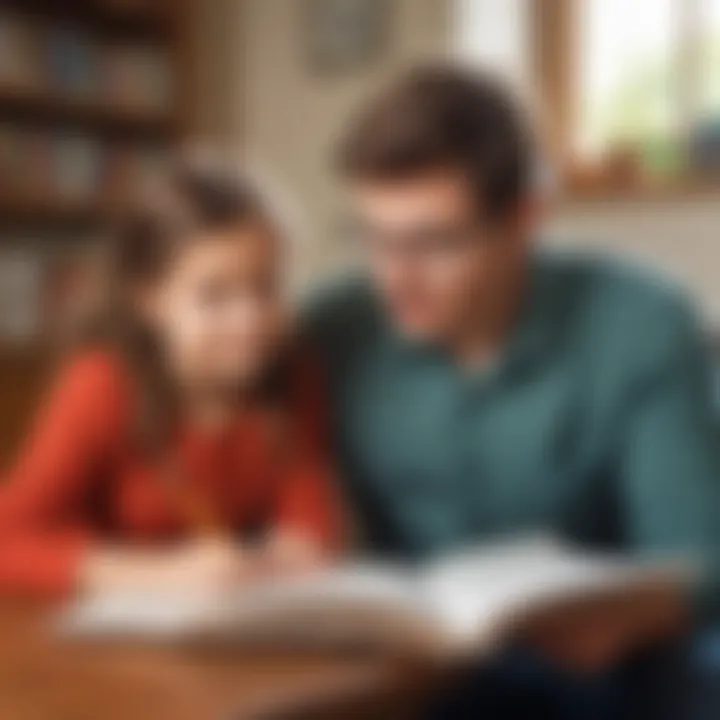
439, 240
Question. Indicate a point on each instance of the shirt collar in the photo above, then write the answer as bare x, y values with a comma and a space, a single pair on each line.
535, 330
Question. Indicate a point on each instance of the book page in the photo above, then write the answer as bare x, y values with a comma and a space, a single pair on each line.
478, 593
467, 600
332, 604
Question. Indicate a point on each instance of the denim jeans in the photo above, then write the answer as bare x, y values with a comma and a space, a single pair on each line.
679, 681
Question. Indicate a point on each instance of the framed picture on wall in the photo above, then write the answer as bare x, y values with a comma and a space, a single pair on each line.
347, 35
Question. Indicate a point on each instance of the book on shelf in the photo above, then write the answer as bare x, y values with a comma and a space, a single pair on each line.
65, 61
130, 168
72, 63
19, 59
464, 603
25, 161
48, 165
138, 78
76, 166
21, 286
62, 165
38, 163
12, 157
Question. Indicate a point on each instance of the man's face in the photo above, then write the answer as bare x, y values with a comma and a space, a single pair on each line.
434, 259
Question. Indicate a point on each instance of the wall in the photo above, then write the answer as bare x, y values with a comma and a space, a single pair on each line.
293, 115
218, 66
682, 237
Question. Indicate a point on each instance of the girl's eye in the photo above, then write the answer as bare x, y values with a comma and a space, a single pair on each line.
217, 293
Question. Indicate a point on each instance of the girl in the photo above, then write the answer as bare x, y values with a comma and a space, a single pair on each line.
183, 446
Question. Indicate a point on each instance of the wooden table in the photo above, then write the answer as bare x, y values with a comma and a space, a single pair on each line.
43, 677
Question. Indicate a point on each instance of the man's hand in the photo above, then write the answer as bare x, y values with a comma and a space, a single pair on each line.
593, 635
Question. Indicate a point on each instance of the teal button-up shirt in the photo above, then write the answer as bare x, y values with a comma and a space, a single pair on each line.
596, 422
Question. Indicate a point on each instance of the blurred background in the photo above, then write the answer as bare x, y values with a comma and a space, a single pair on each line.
96, 94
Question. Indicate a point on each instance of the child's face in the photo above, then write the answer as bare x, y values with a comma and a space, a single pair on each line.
219, 308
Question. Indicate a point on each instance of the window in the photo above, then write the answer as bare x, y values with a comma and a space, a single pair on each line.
649, 87
496, 35
629, 90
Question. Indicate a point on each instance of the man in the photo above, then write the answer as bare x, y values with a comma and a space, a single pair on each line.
483, 388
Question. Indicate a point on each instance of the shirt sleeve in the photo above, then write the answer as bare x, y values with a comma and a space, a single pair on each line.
309, 500
44, 527
671, 459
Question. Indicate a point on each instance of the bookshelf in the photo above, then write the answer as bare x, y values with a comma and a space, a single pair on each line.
94, 96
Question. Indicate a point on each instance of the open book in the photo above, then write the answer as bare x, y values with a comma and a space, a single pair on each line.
464, 602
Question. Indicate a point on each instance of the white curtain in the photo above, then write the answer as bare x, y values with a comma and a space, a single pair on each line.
496, 34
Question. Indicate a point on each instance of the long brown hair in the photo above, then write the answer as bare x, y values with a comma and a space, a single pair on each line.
185, 202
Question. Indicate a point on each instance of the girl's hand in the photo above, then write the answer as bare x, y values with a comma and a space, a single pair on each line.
209, 565
290, 552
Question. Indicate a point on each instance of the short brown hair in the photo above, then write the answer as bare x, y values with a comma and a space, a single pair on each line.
444, 116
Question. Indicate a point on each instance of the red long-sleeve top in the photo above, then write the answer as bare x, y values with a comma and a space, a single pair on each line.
78, 480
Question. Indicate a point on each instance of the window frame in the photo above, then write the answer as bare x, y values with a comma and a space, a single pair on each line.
556, 36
